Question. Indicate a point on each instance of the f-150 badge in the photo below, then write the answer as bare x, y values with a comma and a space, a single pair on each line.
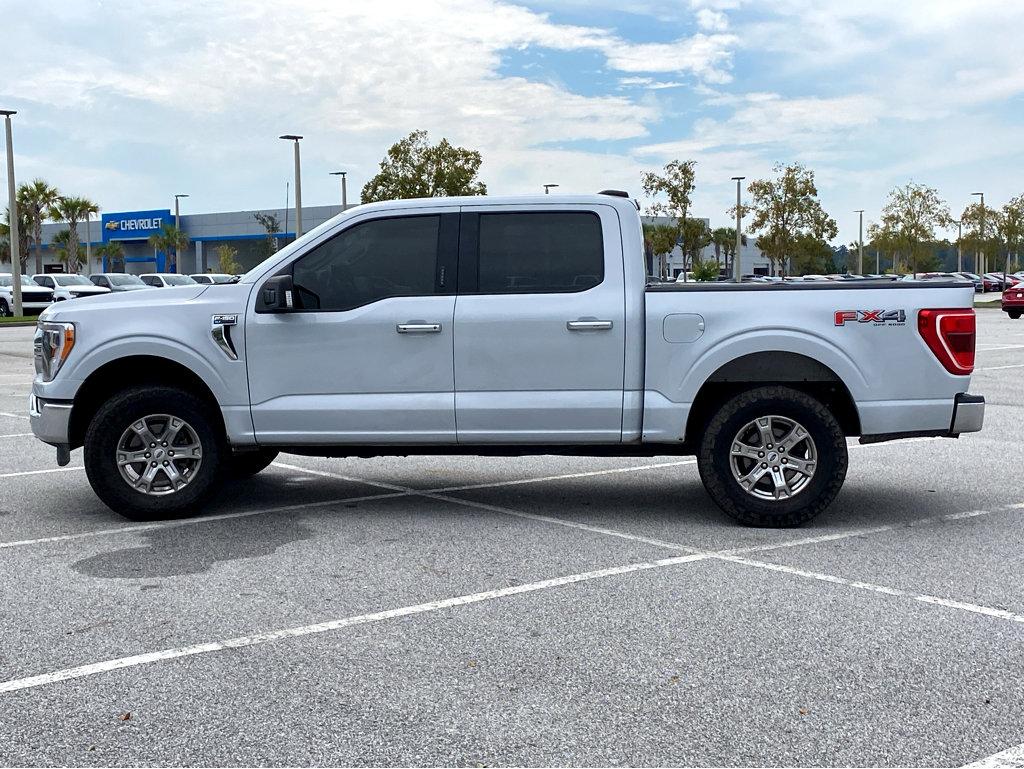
878, 317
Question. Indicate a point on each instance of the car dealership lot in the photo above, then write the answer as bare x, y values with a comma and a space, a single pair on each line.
542, 610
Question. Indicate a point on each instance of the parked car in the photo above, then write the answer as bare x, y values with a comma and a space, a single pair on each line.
328, 349
117, 281
979, 284
166, 279
68, 286
34, 298
1013, 301
997, 281
213, 277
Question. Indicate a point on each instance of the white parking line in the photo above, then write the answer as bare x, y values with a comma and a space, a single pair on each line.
13, 416
18, 435
999, 368
40, 472
1011, 758
338, 624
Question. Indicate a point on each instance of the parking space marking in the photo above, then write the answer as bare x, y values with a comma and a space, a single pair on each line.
18, 435
885, 590
13, 416
40, 472
1011, 758
999, 368
337, 624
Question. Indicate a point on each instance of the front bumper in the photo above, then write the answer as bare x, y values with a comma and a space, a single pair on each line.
50, 420
968, 414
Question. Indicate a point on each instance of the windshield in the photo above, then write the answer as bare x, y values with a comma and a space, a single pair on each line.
6, 280
178, 280
71, 280
124, 280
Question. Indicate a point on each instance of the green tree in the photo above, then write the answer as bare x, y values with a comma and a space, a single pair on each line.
5, 243
696, 237
113, 252
909, 219
723, 238
984, 249
37, 198
61, 242
170, 240
272, 226
1012, 230
415, 168
705, 270
73, 210
811, 255
672, 192
784, 208
227, 258
661, 239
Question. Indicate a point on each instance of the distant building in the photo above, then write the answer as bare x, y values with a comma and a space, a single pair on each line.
752, 261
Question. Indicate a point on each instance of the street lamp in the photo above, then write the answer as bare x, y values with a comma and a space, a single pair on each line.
959, 251
737, 266
344, 189
547, 187
298, 184
177, 225
13, 207
860, 242
979, 257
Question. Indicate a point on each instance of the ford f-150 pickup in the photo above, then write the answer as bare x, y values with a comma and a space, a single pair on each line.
498, 326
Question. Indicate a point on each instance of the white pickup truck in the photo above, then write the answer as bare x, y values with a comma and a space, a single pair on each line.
498, 326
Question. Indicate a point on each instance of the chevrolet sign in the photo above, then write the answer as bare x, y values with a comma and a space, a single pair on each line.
134, 225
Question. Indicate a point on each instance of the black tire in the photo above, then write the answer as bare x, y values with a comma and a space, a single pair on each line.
1014, 314
740, 504
127, 407
5, 309
246, 464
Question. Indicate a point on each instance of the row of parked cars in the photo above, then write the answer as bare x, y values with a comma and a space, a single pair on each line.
39, 291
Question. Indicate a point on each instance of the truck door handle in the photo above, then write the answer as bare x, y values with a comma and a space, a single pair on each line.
589, 325
418, 328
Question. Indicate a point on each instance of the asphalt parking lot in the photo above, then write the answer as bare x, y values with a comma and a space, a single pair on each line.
538, 611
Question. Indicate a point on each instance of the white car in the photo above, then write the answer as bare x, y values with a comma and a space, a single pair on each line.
67, 286
34, 298
209, 278
166, 279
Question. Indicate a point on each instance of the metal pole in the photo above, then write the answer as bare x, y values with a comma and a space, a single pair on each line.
959, 250
860, 242
547, 188
737, 266
344, 191
88, 242
177, 226
979, 255
298, 193
285, 235
13, 207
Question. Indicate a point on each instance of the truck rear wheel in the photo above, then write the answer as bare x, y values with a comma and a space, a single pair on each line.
773, 457
154, 452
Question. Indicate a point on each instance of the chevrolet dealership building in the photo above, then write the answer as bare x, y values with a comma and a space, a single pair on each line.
241, 231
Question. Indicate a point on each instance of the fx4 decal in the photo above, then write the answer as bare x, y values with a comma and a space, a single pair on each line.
878, 317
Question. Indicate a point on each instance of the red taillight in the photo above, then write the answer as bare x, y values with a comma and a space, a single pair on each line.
950, 334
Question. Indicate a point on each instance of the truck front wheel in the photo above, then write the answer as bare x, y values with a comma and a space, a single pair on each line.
773, 456
154, 452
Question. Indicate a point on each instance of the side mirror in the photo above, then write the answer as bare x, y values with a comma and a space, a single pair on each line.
277, 295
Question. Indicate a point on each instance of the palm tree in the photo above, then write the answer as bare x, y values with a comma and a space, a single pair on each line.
23, 237
113, 252
72, 211
721, 237
37, 198
169, 240
5, 243
61, 243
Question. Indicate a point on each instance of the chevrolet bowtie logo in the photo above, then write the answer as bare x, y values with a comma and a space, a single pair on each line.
112, 225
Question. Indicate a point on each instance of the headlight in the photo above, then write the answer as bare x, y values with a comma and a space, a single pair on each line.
52, 345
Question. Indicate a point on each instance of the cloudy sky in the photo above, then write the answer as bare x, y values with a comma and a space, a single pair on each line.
129, 103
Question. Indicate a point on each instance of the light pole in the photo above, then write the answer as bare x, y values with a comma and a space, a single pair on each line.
979, 258
177, 225
860, 242
547, 187
13, 207
959, 251
737, 266
298, 184
344, 189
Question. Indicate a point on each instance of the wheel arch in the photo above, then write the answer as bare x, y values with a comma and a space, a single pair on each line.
132, 371
774, 367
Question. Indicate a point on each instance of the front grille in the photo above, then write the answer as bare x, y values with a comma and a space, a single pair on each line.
36, 296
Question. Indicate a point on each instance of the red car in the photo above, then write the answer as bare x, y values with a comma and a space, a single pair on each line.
1013, 300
